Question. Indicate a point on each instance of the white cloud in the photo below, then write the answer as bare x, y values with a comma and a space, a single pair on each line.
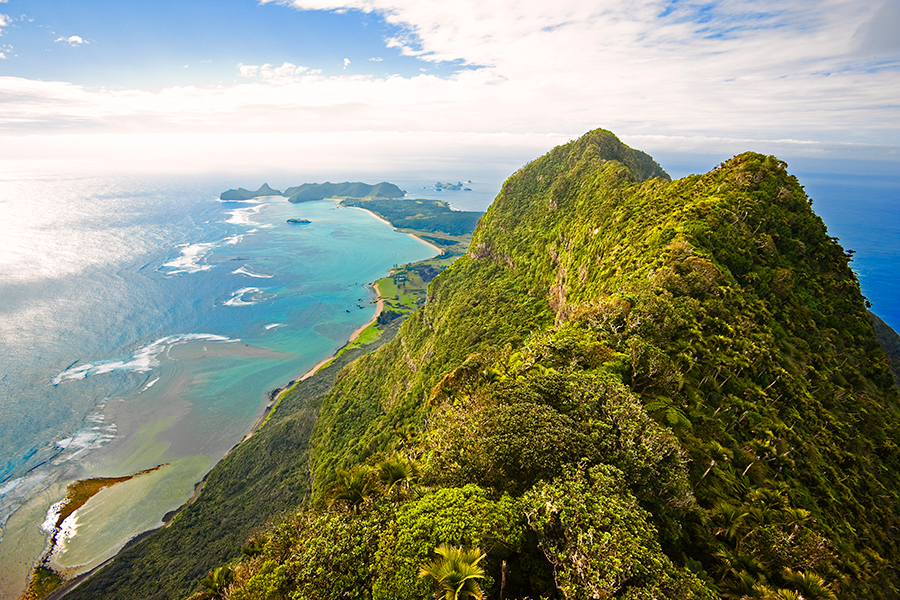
72, 40
286, 73
5, 20
755, 72
346, 62
376, 59
881, 34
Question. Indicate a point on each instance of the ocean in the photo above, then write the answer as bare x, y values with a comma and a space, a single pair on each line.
863, 212
143, 322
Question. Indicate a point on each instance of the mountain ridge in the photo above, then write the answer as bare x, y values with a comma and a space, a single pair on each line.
629, 387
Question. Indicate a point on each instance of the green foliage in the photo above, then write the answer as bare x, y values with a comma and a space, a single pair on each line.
458, 516
42, 582
628, 387
421, 215
601, 542
718, 302
514, 432
314, 556
352, 488
218, 581
455, 572
889, 342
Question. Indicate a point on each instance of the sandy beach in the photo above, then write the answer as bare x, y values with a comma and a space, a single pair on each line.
379, 307
185, 387
426, 242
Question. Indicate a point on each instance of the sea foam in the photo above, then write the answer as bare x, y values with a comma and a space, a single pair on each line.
241, 216
246, 297
191, 259
246, 270
143, 360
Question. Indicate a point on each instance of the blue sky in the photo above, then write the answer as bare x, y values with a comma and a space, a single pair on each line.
259, 81
152, 45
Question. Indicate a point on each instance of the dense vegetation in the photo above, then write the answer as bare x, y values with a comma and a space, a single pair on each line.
629, 388
319, 191
890, 342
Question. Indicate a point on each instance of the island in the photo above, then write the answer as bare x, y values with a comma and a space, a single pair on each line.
242, 194
450, 187
432, 221
319, 191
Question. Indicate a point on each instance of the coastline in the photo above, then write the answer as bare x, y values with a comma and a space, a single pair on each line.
436, 248
273, 396
278, 393
379, 307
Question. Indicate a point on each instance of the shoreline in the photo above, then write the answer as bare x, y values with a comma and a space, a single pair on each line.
277, 394
436, 248
379, 307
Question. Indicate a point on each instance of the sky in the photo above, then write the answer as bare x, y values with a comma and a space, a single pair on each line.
204, 84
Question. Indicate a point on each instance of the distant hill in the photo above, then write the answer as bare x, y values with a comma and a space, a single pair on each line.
242, 194
319, 191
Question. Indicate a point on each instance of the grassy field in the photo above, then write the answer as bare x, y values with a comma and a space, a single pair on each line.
402, 292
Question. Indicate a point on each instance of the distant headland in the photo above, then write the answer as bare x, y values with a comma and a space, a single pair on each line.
309, 192
242, 194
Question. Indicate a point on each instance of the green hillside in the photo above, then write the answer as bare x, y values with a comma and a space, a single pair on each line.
318, 191
629, 387
242, 194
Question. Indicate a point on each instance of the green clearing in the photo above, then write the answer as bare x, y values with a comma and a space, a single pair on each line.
403, 291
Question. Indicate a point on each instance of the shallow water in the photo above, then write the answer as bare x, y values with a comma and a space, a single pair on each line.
145, 322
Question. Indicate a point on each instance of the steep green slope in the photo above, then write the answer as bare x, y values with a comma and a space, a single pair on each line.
591, 298
629, 388
889, 342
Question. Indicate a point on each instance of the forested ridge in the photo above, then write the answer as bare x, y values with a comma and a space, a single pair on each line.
630, 387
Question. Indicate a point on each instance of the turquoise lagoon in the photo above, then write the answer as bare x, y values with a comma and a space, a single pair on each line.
143, 322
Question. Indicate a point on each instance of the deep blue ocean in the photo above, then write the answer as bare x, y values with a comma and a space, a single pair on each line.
145, 322
863, 211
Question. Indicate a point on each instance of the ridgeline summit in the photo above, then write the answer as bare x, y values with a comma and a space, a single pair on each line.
629, 387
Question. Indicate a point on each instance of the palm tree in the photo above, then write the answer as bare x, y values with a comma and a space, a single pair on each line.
396, 474
809, 585
217, 580
455, 572
732, 520
353, 487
